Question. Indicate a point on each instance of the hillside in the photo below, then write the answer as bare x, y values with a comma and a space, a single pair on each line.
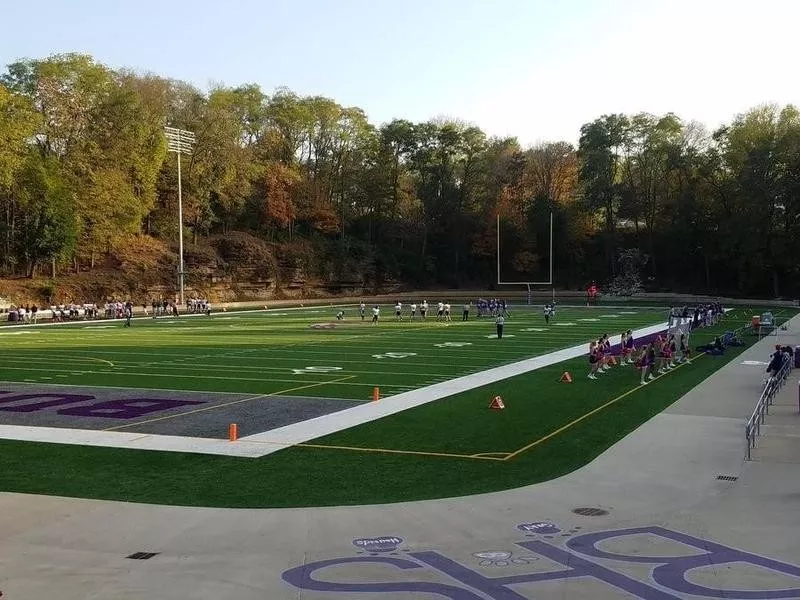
290, 194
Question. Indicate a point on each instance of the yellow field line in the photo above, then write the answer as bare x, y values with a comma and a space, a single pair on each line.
388, 451
198, 410
552, 434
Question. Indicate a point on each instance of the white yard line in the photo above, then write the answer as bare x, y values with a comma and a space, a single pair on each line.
261, 444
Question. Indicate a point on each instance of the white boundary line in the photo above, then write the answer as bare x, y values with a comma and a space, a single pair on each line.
262, 444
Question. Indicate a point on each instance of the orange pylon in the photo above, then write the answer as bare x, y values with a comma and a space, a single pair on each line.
376, 394
497, 403
233, 432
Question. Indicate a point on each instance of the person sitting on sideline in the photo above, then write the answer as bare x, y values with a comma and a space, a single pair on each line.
715, 349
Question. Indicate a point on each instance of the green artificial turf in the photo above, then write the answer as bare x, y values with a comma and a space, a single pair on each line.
280, 351
537, 404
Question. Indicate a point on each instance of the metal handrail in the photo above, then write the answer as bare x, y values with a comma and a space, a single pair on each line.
753, 427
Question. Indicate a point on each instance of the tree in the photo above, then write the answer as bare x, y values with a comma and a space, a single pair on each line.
48, 227
599, 151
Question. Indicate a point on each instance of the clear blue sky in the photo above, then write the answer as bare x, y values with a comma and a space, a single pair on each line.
536, 69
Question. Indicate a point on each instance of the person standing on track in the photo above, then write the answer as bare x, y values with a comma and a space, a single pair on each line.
499, 321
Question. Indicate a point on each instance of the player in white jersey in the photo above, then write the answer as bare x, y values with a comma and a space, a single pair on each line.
447, 312
362, 309
376, 312
424, 310
440, 311
398, 311
413, 311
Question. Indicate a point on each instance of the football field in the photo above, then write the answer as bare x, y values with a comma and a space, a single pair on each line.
304, 352
194, 375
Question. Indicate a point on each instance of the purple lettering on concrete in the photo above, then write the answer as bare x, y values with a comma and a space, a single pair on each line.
496, 587
60, 400
541, 527
302, 578
378, 544
126, 409
671, 570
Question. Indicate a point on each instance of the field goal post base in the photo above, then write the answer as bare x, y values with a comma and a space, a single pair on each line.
528, 284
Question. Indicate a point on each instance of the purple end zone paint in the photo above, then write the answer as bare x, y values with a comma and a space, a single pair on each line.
59, 400
126, 409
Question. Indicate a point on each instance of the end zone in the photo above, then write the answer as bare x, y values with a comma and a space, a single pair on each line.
56, 413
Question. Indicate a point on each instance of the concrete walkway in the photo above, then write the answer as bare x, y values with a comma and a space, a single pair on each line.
665, 528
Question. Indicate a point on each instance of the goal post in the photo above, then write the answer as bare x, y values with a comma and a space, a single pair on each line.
528, 284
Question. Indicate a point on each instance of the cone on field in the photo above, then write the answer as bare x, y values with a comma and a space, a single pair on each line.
497, 403
566, 377
233, 432
376, 394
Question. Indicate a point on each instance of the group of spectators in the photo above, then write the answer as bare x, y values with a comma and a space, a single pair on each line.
58, 313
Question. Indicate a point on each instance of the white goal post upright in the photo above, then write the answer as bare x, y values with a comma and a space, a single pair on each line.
528, 284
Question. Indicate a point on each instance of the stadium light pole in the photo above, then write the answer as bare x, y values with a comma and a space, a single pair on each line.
180, 142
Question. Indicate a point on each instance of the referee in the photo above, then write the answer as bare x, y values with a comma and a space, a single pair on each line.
500, 321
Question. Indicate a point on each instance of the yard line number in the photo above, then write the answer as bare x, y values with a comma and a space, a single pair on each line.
394, 355
319, 369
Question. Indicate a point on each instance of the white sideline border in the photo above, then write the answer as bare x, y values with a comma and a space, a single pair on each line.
268, 442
